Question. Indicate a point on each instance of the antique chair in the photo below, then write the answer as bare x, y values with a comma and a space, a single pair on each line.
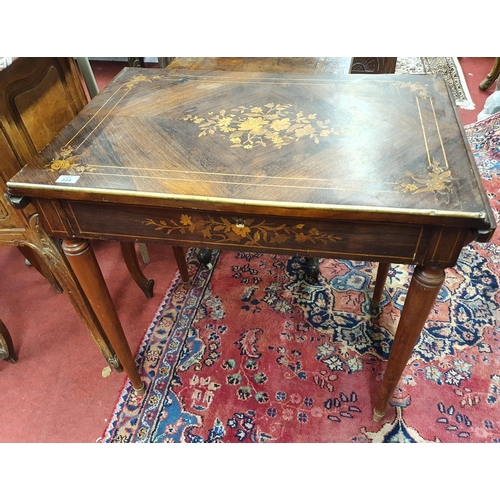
38, 97
492, 103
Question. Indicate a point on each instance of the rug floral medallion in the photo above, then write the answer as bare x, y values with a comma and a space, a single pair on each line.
253, 351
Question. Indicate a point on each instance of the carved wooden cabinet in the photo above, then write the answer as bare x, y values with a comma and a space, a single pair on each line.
38, 98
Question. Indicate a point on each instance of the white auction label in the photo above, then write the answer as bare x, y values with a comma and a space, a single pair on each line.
68, 179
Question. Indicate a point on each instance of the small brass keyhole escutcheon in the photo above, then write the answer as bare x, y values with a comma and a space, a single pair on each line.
240, 222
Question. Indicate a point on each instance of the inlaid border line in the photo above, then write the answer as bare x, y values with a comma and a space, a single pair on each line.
439, 135
423, 132
95, 114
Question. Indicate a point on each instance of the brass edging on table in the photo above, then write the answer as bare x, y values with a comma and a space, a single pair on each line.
258, 203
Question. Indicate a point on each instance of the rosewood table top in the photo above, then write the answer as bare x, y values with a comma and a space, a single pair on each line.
387, 145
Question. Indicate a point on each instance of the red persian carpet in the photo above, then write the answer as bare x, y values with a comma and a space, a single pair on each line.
251, 351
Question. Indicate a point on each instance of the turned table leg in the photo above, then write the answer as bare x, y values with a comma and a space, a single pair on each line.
84, 264
424, 288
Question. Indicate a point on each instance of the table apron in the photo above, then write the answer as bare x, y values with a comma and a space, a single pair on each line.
329, 238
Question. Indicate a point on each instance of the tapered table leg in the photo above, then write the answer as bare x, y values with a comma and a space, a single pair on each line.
84, 264
424, 288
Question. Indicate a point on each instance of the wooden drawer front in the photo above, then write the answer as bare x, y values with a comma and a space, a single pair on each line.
363, 240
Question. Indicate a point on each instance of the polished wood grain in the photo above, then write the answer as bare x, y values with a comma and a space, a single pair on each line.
192, 140
365, 167
307, 65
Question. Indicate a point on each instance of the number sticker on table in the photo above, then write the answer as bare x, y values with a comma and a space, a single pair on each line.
68, 179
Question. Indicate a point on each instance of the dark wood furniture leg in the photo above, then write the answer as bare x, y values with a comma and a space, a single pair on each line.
205, 256
84, 264
136, 62
312, 268
132, 262
6, 346
180, 258
376, 65
39, 264
424, 288
382, 272
50, 252
492, 75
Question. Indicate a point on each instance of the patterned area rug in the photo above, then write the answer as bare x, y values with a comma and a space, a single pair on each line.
253, 352
448, 67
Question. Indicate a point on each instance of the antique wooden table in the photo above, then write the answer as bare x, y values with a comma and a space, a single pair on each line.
372, 167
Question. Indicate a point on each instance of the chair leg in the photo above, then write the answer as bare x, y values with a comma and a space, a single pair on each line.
143, 249
31, 256
130, 257
492, 75
6, 346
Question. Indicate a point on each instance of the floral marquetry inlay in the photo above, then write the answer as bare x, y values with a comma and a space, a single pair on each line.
246, 231
66, 161
438, 181
418, 88
139, 79
272, 124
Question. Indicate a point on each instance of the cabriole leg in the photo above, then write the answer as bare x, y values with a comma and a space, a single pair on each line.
132, 263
